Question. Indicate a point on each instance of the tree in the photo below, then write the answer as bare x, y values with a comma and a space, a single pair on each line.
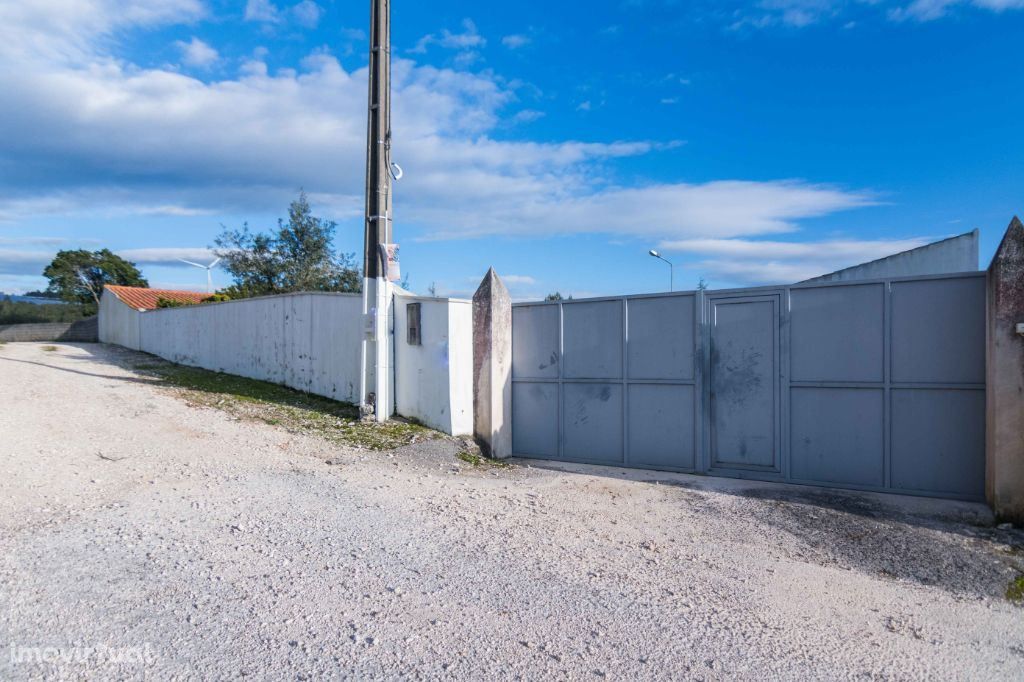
557, 296
79, 276
41, 294
300, 256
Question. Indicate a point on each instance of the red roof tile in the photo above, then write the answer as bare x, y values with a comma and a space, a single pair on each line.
146, 299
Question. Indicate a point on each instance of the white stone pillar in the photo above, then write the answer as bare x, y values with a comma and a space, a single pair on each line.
492, 367
1004, 432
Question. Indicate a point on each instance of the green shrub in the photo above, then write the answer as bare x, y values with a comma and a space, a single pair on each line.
22, 312
169, 303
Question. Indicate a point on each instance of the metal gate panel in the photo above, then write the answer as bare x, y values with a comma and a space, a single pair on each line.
875, 385
535, 427
661, 338
837, 334
838, 435
744, 383
938, 441
937, 409
592, 428
661, 414
938, 331
592, 340
837, 388
536, 350
536, 388
661, 427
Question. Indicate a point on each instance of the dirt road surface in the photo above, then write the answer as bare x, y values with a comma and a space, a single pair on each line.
143, 536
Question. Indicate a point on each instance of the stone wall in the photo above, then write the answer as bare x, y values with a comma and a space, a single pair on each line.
82, 331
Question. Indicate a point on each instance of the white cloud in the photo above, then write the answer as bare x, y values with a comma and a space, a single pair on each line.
168, 256
307, 13
20, 284
804, 13
59, 29
527, 116
262, 10
774, 262
515, 41
856, 251
21, 262
34, 241
468, 39
928, 10
353, 33
131, 140
197, 53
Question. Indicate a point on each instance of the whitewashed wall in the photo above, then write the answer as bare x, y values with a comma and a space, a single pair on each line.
119, 323
434, 380
309, 341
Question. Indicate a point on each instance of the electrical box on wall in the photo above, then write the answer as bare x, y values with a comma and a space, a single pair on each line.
412, 324
370, 323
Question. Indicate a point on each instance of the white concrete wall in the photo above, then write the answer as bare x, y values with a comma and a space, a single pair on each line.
956, 254
119, 323
434, 380
311, 341
308, 341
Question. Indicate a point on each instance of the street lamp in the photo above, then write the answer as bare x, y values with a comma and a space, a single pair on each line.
671, 269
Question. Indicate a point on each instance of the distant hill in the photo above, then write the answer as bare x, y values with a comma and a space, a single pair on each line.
25, 309
31, 298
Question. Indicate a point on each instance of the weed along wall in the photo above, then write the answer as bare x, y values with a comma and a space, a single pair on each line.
434, 364
308, 341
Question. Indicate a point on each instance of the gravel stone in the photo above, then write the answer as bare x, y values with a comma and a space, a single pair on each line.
210, 547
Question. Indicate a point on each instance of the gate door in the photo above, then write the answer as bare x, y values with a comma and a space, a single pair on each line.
744, 383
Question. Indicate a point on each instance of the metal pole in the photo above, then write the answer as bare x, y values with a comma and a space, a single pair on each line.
376, 351
671, 269
378, 140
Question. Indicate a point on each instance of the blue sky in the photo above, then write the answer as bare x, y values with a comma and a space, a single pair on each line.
750, 142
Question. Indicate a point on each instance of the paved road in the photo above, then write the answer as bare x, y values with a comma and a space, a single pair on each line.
142, 536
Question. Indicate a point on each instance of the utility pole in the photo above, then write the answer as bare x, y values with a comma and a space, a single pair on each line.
375, 390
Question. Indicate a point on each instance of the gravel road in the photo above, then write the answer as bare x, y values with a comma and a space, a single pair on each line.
141, 536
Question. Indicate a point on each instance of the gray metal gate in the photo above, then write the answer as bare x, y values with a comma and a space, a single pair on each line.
875, 385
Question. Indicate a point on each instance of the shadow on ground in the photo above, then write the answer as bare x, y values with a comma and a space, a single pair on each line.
244, 398
943, 543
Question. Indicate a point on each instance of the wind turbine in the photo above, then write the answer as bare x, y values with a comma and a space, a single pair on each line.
209, 270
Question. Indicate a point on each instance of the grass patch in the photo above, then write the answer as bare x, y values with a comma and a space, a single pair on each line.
278, 405
1015, 590
475, 460
49, 349
479, 460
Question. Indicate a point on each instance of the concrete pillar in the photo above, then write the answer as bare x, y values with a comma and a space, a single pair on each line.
492, 366
1004, 432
